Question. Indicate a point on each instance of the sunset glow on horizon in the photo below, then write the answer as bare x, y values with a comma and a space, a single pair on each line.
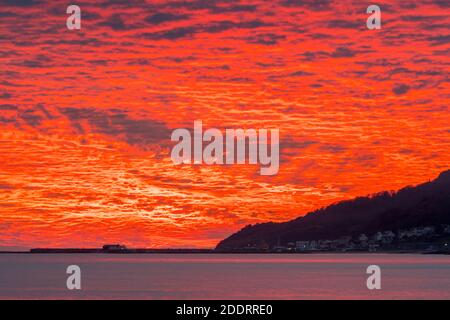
86, 115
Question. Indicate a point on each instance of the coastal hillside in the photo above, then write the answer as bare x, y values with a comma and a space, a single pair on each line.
423, 205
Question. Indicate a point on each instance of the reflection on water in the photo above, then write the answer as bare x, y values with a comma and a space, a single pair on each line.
224, 276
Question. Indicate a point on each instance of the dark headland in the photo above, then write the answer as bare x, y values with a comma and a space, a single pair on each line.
413, 219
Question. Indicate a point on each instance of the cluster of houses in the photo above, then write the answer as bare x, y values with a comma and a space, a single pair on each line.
374, 242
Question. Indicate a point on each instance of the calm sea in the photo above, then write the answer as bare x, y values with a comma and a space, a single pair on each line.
227, 276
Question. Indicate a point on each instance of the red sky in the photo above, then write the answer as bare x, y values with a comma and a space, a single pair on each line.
86, 115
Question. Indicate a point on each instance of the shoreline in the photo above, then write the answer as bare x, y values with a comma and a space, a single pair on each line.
184, 252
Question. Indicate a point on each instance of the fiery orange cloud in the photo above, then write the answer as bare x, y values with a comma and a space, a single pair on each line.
86, 115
